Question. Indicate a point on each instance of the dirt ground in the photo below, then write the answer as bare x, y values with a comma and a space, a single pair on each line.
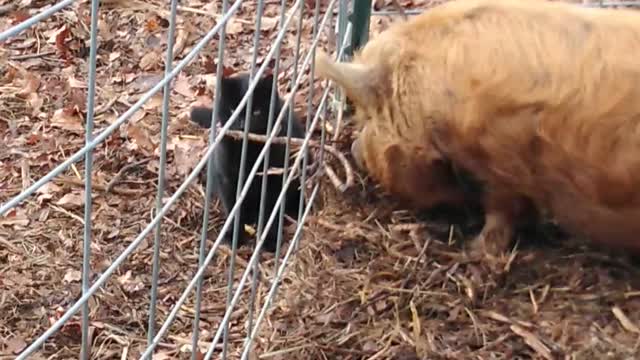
369, 281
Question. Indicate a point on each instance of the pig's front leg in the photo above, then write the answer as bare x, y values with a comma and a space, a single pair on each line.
504, 211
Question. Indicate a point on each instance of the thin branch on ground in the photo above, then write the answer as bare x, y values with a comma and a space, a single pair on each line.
341, 186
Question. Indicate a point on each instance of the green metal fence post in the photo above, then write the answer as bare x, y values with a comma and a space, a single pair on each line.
360, 18
341, 25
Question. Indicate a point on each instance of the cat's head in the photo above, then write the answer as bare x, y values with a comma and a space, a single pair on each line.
232, 91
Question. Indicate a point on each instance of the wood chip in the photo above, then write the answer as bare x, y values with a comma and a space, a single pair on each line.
533, 341
626, 323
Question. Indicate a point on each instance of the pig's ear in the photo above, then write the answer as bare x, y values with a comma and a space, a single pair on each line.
361, 83
201, 116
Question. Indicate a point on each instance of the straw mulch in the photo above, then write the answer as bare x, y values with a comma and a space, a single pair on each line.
369, 281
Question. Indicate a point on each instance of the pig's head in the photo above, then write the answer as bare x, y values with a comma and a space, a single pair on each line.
394, 144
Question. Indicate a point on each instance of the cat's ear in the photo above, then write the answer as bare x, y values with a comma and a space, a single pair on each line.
268, 79
230, 87
201, 116
263, 88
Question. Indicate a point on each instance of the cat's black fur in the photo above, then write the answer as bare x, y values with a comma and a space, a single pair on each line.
226, 157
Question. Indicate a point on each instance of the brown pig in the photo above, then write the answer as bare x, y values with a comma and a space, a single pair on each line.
538, 100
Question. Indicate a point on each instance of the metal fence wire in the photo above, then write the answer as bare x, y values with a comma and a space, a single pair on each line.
289, 27
203, 344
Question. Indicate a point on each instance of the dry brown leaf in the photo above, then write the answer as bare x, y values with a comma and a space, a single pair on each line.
114, 56
137, 116
105, 29
130, 283
35, 103
19, 16
142, 82
4, 56
75, 83
209, 80
46, 191
154, 104
268, 23
234, 27
140, 139
71, 200
151, 25
67, 119
10, 73
181, 41
125, 278
295, 17
60, 41
33, 139
130, 77
184, 150
326, 318
183, 87
163, 355
77, 99
30, 84
209, 65
15, 345
15, 218
20, 222
72, 276
149, 61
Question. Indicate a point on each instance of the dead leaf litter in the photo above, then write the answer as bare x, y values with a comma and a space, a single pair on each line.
370, 281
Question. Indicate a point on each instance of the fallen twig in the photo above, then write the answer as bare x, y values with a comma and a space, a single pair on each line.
122, 171
99, 187
533, 341
107, 106
407, 227
237, 134
30, 56
334, 178
274, 170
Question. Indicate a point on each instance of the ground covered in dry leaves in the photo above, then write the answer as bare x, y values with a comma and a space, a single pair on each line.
369, 281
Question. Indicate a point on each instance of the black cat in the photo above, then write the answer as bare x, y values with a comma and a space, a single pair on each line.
226, 157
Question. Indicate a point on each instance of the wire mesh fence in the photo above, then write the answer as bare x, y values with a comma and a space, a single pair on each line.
390, 11
150, 276
302, 25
